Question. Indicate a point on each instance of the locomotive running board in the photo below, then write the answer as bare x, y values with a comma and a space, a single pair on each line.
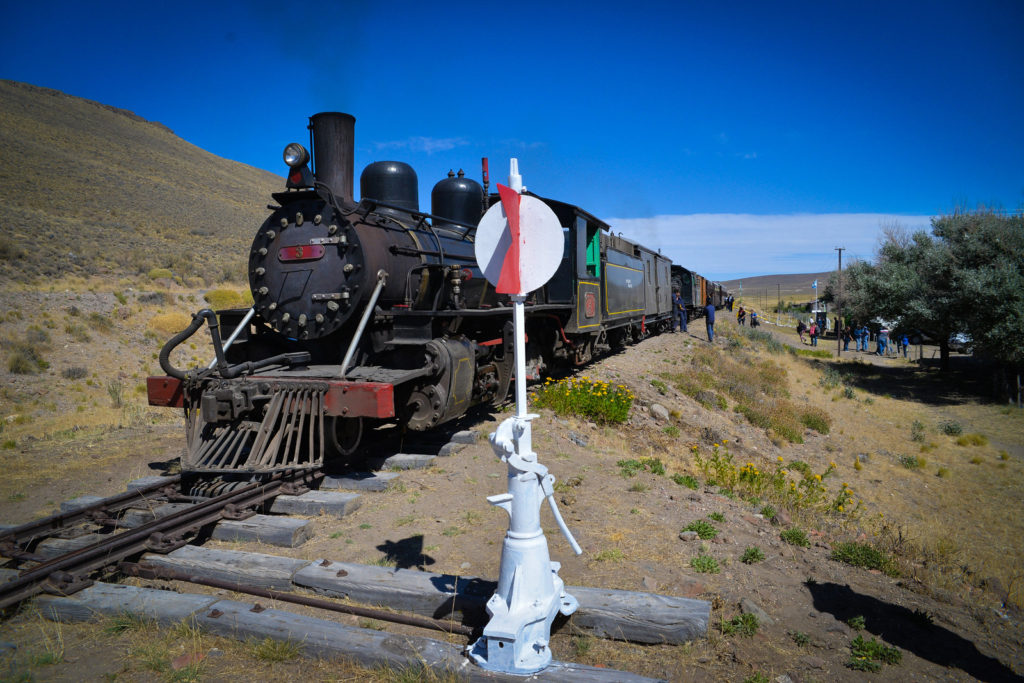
291, 435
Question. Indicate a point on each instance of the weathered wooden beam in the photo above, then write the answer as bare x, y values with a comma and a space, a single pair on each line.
406, 461
107, 599
621, 615
332, 503
145, 482
251, 569
316, 637
80, 502
287, 532
54, 547
136, 517
360, 481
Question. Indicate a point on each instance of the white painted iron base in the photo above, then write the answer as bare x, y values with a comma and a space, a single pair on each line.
529, 592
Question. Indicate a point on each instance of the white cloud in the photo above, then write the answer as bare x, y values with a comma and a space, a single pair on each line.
423, 144
725, 246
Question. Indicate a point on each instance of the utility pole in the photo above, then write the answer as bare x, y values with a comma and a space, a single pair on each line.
839, 305
778, 312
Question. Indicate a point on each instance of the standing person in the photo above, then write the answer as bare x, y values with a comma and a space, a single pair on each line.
709, 320
864, 334
883, 338
678, 312
753, 319
741, 316
847, 336
800, 329
813, 331
905, 343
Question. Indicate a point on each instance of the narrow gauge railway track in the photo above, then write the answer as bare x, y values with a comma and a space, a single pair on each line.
13, 542
72, 571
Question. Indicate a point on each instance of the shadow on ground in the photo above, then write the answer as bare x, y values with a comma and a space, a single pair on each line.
966, 379
912, 631
406, 553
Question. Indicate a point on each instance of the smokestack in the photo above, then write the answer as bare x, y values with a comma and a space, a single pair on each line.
334, 151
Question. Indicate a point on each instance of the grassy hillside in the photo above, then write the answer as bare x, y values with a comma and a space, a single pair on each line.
87, 189
795, 287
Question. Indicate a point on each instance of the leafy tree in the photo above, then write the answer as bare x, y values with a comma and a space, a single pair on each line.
966, 275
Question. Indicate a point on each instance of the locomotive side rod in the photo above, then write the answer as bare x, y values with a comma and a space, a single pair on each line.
71, 567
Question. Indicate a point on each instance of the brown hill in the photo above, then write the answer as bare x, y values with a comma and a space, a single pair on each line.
793, 287
88, 189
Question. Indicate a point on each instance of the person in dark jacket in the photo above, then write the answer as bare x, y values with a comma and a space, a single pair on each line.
709, 319
678, 312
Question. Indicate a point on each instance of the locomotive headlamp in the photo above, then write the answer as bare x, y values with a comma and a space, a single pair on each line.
295, 155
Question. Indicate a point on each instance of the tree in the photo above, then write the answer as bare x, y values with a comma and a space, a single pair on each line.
966, 275
988, 249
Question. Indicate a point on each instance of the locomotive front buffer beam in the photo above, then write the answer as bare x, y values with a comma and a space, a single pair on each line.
343, 399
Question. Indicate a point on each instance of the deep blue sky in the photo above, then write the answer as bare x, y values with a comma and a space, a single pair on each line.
886, 110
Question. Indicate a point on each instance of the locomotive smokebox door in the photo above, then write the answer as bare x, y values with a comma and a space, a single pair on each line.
307, 270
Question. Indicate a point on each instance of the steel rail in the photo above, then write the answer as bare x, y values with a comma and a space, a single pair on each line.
148, 571
62, 520
70, 569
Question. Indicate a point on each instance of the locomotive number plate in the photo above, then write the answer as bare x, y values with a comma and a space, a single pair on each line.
301, 252
589, 305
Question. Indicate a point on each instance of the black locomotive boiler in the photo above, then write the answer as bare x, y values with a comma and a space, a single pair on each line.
372, 311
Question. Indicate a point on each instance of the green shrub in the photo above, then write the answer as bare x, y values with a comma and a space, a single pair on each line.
816, 419
686, 480
100, 322
951, 428
705, 530
795, 536
864, 555
629, 468
599, 401
768, 512
77, 332
705, 564
716, 517
912, 462
869, 655
158, 273
745, 624
76, 372
917, 431
802, 467
752, 555
20, 364
36, 335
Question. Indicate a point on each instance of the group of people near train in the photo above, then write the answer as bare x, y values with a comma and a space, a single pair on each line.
886, 342
679, 315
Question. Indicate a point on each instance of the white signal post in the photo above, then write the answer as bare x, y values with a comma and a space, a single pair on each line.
529, 592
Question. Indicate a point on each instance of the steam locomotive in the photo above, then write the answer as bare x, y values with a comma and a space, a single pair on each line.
371, 311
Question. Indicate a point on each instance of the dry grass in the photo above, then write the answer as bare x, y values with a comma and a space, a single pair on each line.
955, 520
